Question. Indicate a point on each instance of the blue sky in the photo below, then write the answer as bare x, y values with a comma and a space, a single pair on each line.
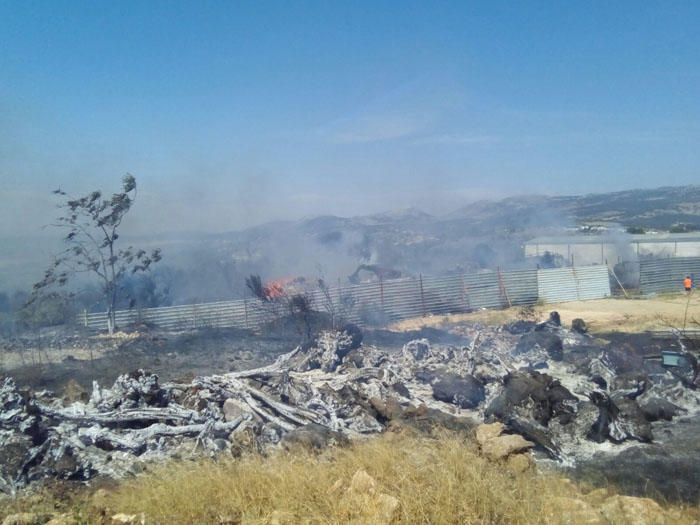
233, 113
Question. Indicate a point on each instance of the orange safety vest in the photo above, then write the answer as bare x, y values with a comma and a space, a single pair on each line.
687, 282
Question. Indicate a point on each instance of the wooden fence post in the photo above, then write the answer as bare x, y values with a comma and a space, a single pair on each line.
422, 295
381, 293
502, 287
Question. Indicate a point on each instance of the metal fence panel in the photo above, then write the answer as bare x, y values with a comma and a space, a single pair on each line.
666, 275
381, 302
558, 285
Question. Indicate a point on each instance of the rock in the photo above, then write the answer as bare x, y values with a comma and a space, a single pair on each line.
25, 518
366, 505
417, 350
657, 408
233, 408
128, 519
633, 511
488, 431
503, 446
63, 519
313, 437
463, 391
362, 483
578, 325
383, 509
519, 463
387, 409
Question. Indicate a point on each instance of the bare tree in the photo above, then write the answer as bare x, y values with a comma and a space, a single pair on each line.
92, 223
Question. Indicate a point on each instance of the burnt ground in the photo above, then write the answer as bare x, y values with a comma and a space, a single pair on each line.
668, 467
181, 356
172, 356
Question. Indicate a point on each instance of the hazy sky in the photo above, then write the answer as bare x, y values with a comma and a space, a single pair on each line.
233, 113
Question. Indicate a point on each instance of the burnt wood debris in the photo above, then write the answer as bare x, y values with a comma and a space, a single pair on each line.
556, 387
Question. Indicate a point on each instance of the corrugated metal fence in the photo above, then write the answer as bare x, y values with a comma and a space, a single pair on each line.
558, 285
381, 302
666, 275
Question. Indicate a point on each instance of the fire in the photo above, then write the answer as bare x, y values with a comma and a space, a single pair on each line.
280, 288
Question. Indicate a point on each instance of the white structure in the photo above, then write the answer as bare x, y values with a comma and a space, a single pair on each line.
611, 249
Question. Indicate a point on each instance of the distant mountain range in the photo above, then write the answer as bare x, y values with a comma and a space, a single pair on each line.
483, 234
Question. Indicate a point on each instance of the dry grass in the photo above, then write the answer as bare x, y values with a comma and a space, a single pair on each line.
603, 315
436, 481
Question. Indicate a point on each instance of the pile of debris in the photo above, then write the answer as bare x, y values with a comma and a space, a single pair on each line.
557, 388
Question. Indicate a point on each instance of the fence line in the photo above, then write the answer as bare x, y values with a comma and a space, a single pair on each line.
666, 275
385, 301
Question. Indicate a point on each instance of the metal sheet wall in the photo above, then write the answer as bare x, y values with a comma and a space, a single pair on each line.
558, 285
666, 275
381, 302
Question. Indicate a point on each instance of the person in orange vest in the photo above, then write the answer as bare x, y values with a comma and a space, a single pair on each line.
688, 283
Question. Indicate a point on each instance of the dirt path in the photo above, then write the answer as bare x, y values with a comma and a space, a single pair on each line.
603, 315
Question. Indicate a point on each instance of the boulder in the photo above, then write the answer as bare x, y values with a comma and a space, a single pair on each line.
501, 447
233, 408
362, 483
366, 504
520, 463
463, 391
488, 431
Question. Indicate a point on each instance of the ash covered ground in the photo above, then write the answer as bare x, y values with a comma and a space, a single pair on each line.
601, 408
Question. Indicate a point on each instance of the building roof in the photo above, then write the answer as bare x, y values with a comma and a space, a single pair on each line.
608, 238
